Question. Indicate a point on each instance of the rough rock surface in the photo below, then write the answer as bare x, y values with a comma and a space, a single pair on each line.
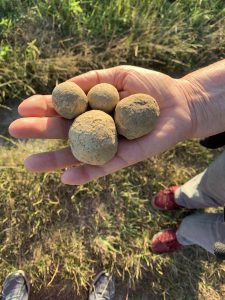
136, 115
69, 100
104, 97
93, 137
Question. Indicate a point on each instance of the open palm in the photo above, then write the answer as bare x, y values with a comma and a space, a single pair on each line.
41, 121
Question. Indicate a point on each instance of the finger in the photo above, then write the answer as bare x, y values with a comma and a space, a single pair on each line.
86, 173
124, 94
114, 76
37, 106
41, 105
162, 138
49, 161
40, 128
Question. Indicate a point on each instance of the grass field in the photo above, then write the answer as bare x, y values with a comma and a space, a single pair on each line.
61, 236
44, 41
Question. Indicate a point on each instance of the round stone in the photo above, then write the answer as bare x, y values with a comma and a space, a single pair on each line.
104, 97
136, 115
93, 138
69, 100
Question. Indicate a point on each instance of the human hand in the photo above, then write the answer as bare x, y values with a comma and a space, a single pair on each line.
41, 121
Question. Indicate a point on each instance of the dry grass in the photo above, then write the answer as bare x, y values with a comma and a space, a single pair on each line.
62, 235
70, 37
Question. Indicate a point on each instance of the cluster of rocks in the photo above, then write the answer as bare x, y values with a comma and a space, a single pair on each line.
100, 116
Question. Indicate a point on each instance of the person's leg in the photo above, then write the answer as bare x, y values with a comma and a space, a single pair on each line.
16, 286
206, 189
202, 229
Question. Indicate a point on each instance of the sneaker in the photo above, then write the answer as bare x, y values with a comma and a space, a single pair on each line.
16, 286
166, 241
103, 287
165, 199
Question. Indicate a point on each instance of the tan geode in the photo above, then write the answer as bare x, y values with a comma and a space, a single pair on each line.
69, 100
93, 137
136, 115
104, 97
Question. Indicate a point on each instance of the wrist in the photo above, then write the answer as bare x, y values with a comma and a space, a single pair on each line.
205, 94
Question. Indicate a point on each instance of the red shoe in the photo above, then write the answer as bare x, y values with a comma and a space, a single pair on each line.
165, 200
165, 241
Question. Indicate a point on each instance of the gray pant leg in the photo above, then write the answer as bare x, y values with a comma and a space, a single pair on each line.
202, 230
206, 189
